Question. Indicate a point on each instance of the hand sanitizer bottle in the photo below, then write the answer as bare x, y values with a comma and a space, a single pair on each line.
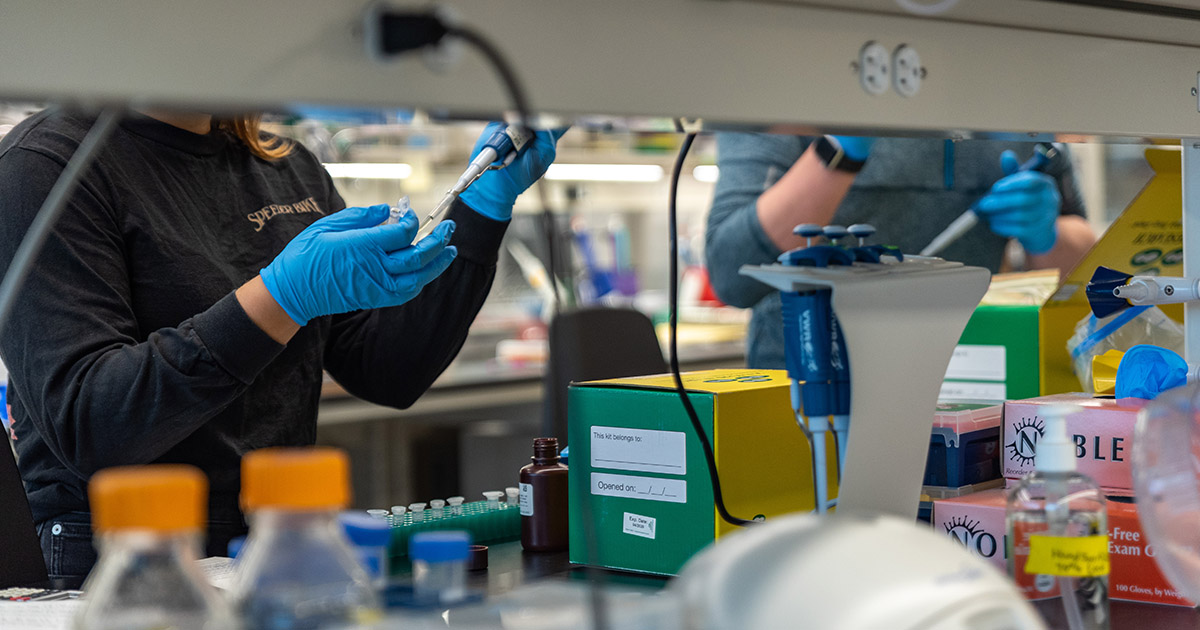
1058, 532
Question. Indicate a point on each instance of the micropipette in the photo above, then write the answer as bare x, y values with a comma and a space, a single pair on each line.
498, 151
810, 339
1043, 156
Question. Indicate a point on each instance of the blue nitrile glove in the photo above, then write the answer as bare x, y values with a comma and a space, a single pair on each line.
857, 148
1147, 371
495, 192
347, 261
1023, 205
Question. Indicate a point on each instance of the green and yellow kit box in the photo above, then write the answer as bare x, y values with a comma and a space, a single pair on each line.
640, 494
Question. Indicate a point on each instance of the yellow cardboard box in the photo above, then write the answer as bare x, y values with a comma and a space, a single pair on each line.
1147, 239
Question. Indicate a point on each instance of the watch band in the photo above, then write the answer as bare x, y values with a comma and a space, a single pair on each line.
835, 158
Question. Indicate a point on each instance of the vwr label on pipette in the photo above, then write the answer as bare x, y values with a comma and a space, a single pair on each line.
639, 450
645, 488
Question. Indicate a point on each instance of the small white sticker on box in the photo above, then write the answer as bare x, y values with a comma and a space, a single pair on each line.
645, 488
979, 363
963, 390
639, 525
639, 450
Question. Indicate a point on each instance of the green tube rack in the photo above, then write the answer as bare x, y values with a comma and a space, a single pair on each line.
498, 524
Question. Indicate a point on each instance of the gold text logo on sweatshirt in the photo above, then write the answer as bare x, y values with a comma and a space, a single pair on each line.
304, 206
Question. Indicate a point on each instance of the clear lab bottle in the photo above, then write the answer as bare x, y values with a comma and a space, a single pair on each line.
149, 522
297, 570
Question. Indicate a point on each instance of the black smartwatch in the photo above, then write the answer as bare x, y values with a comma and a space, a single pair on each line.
835, 158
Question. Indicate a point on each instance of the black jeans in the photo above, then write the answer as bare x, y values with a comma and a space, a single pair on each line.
67, 548
69, 552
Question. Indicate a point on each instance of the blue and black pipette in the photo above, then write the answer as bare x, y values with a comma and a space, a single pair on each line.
811, 341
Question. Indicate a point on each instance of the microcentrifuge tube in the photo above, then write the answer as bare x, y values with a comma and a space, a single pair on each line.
455, 505
398, 510
418, 511
493, 499
436, 506
514, 495
397, 211
378, 513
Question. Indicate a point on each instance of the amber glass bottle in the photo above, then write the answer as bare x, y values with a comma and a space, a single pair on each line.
544, 499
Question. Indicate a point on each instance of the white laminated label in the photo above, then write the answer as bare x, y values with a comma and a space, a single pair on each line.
639, 450
526, 499
639, 525
982, 363
959, 390
646, 488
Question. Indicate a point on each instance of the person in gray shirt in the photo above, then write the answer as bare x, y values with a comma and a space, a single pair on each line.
910, 189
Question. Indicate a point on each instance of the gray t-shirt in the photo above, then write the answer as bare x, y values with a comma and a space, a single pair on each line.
910, 190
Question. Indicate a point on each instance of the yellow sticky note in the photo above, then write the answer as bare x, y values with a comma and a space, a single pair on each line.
1083, 556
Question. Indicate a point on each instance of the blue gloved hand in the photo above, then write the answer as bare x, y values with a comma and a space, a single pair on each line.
857, 148
347, 261
1023, 205
495, 192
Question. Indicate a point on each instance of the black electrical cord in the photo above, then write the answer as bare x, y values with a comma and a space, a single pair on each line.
673, 281
52, 208
516, 94
596, 600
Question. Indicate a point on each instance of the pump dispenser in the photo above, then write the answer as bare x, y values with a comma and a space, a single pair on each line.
1057, 539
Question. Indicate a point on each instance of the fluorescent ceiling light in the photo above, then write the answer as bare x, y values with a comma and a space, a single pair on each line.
706, 173
605, 172
368, 170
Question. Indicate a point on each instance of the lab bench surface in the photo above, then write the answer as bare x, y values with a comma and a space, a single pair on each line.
509, 567
476, 385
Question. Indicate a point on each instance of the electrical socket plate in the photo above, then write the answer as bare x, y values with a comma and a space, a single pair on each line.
906, 70
874, 66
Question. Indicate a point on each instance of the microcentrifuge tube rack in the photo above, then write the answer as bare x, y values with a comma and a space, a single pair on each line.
500, 523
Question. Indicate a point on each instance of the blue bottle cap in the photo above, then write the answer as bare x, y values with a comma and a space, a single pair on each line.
235, 546
447, 546
365, 530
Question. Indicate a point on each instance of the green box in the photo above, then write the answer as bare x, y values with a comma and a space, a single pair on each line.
640, 495
997, 355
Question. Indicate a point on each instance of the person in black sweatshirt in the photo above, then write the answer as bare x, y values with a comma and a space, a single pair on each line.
201, 278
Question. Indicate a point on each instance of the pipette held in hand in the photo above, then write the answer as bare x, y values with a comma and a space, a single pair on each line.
498, 151
1043, 154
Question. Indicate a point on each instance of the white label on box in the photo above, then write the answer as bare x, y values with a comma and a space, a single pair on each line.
959, 390
981, 363
525, 499
639, 450
639, 525
646, 488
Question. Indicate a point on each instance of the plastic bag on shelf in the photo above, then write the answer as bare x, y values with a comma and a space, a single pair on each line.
1136, 325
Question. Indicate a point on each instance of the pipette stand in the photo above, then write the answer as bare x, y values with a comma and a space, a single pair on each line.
901, 322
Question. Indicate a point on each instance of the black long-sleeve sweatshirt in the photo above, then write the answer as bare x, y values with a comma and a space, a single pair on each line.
127, 345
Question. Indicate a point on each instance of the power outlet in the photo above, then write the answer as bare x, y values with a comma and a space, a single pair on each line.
874, 68
907, 71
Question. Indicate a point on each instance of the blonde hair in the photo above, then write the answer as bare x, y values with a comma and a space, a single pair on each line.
246, 128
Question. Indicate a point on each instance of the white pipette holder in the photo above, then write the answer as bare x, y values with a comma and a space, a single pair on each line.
901, 322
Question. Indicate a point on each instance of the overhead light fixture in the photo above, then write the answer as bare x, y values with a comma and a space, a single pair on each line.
368, 170
706, 173
605, 172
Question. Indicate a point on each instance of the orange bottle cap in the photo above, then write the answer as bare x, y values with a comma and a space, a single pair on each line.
296, 479
160, 497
